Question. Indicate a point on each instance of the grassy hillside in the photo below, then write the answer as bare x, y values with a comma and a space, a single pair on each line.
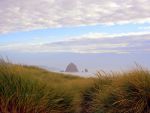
127, 92
28, 89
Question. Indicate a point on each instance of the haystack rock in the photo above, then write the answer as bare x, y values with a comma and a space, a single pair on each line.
71, 68
86, 70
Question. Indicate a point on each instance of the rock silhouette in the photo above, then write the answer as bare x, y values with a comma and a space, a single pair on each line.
71, 68
86, 70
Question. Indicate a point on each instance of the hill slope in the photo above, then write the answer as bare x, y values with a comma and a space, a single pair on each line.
28, 89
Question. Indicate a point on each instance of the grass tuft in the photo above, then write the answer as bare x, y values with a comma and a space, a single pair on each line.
29, 89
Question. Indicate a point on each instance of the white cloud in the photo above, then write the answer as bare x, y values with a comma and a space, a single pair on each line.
94, 35
16, 15
117, 43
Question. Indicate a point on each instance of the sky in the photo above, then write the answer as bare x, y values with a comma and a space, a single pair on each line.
111, 27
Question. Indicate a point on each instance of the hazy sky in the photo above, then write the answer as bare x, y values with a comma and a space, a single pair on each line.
75, 26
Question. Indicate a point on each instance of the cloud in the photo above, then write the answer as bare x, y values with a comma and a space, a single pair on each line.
94, 35
18, 15
115, 43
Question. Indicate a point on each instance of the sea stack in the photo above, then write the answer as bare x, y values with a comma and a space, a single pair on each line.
71, 68
86, 70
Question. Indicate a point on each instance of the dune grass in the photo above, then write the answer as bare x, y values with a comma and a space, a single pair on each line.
25, 89
127, 92
29, 89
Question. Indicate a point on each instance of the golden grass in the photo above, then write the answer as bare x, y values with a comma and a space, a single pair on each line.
29, 89
125, 93
26, 89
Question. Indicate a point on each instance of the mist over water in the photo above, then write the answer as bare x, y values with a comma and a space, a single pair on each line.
93, 62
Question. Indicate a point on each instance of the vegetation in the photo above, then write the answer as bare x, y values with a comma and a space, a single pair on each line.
29, 89
124, 93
